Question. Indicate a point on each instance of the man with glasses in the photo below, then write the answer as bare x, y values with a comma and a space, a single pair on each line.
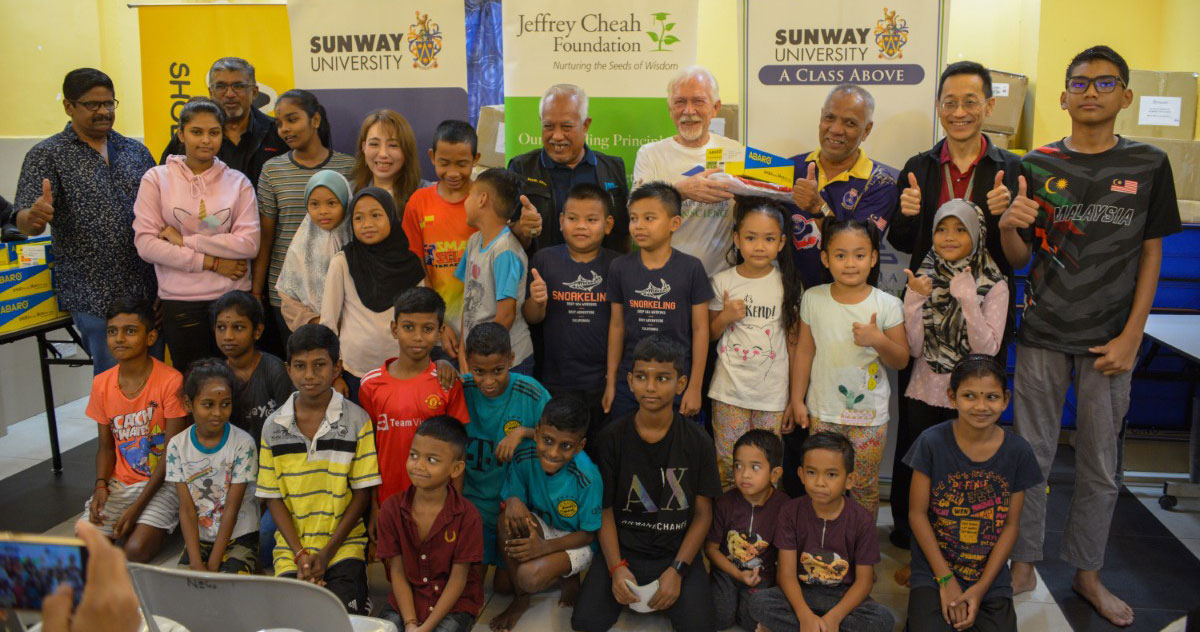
83, 181
964, 164
1091, 212
250, 138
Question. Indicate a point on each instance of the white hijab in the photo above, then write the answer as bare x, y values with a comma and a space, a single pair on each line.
307, 262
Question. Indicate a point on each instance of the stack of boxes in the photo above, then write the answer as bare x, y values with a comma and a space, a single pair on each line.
26, 291
1163, 113
1009, 91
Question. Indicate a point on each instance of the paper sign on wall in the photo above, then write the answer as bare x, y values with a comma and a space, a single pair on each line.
1156, 110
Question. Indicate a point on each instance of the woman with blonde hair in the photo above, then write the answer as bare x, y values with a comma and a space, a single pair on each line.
387, 156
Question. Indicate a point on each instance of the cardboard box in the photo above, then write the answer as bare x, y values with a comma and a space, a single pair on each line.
19, 313
1009, 91
1003, 141
725, 122
19, 282
491, 136
1189, 211
752, 163
1185, 164
37, 251
1164, 105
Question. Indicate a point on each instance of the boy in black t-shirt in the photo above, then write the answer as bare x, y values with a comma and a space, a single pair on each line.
1091, 211
656, 290
567, 298
660, 477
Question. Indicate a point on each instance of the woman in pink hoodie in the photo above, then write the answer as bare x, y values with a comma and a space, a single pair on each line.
196, 220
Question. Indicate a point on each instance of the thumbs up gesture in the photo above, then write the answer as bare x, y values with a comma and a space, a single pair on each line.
922, 285
998, 197
537, 288
32, 221
804, 191
734, 310
910, 199
1023, 211
867, 335
529, 225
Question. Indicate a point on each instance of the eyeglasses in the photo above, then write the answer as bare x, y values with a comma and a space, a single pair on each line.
93, 106
970, 105
240, 87
1104, 84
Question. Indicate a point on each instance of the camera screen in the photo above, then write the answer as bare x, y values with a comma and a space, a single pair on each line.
31, 571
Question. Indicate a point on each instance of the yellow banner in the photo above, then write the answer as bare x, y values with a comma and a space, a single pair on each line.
180, 43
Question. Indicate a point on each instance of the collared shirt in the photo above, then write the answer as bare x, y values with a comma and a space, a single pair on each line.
314, 478
258, 143
960, 179
563, 177
456, 537
95, 259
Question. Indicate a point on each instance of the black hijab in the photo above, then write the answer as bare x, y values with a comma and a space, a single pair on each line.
382, 271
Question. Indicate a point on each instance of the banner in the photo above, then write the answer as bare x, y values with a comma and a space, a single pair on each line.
179, 43
797, 51
622, 53
361, 55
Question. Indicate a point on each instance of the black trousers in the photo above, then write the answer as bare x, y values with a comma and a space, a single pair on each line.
188, 331
592, 401
916, 417
597, 610
348, 581
925, 614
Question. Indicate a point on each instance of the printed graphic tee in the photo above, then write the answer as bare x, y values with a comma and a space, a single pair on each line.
577, 312
746, 534
752, 356
138, 424
209, 473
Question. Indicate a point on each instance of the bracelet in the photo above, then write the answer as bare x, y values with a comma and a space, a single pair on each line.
945, 579
614, 567
102, 480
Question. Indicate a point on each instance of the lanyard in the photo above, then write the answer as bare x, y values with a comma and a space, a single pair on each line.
950, 183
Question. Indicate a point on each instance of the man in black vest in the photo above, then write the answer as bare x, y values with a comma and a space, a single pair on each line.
250, 138
564, 161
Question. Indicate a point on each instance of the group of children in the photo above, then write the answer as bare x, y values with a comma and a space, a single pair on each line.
367, 452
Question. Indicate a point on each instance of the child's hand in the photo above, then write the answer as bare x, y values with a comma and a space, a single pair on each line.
196, 564
446, 373
970, 599
171, 234
213, 565
516, 518
507, 446
690, 405
620, 590
127, 522
528, 548
922, 285
450, 341
99, 498
610, 394
831, 621
796, 414
734, 310
950, 594
867, 335
812, 623
963, 286
537, 288
231, 268
340, 386
411, 627
668, 590
750, 577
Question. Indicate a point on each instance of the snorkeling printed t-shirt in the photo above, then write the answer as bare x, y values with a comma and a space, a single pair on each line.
138, 424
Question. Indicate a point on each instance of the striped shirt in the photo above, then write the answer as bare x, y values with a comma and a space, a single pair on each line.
314, 477
281, 197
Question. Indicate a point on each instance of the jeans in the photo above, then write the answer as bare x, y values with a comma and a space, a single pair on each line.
453, 622
92, 332
771, 608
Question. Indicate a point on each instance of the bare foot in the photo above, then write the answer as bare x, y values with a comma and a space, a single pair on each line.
507, 620
902, 574
570, 590
1088, 585
1024, 579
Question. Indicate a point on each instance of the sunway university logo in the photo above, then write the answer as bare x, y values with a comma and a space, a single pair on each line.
663, 38
424, 42
585, 285
891, 34
655, 293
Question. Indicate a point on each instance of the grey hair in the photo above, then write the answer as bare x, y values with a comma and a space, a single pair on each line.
695, 72
566, 90
235, 64
858, 91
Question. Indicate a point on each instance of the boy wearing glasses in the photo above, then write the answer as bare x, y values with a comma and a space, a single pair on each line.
1091, 212
965, 164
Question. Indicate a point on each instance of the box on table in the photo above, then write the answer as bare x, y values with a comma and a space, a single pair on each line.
18, 282
1009, 90
491, 136
28, 311
34, 251
752, 163
1164, 105
1185, 164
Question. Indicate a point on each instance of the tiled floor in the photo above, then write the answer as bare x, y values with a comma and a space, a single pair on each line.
26, 445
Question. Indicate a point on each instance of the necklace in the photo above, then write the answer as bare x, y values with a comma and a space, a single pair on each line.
136, 390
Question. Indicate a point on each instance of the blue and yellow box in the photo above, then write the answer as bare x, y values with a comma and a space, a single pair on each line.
35, 251
752, 163
27, 311
19, 282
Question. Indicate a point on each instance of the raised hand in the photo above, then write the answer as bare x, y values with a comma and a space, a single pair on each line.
998, 198
910, 198
922, 285
537, 288
1023, 211
33, 220
867, 335
804, 191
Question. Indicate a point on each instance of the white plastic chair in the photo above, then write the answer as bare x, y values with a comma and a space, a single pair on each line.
220, 602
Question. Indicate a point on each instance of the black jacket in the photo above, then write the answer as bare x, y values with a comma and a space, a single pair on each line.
914, 235
610, 176
260, 142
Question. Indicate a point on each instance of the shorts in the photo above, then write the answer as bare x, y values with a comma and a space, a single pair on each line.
580, 558
162, 512
241, 555
347, 580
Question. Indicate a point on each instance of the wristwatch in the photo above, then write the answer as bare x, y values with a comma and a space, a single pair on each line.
680, 567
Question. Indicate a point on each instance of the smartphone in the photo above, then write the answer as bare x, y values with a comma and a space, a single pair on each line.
33, 566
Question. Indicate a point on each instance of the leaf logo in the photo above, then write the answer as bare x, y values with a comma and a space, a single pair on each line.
663, 38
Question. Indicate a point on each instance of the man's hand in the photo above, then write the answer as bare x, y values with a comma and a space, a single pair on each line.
530, 224
998, 197
922, 285
703, 189
109, 603
1023, 211
804, 191
33, 220
910, 198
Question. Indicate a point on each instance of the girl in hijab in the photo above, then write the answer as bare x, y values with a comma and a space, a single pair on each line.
322, 234
363, 281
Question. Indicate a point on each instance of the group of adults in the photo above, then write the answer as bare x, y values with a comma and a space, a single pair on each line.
83, 181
